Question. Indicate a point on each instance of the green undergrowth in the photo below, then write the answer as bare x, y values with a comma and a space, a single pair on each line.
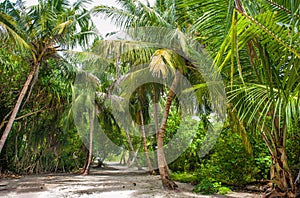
184, 177
209, 186
204, 186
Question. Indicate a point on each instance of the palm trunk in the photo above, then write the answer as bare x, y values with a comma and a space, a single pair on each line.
17, 107
123, 160
151, 171
163, 171
280, 176
157, 128
135, 159
89, 159
155, 120
117, 68
132, 153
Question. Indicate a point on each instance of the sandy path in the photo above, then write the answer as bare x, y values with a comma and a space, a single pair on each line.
115, 181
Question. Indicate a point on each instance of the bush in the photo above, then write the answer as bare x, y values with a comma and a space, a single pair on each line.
230, 163
209, 186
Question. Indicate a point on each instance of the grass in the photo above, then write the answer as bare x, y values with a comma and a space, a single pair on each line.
184, 177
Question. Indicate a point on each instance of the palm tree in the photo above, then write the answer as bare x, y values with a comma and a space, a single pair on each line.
91, 130
139, 111
40, 33
258, 56
135, 14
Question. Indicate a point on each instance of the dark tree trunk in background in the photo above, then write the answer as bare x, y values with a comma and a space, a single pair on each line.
132, 153
89, 159
151, 171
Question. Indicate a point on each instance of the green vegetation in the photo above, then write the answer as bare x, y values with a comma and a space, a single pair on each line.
48, 119
184, 177
207, 186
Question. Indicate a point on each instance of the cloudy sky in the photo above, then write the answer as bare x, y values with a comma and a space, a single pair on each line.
104, 26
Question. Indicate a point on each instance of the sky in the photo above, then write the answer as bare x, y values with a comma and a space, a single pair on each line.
103, 26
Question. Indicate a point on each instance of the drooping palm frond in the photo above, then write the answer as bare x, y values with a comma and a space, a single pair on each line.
120, 17
134, 13
255, 105
10, 30
247, 32
211, 20
67, 26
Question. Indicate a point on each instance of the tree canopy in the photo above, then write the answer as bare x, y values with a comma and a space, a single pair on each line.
240, 60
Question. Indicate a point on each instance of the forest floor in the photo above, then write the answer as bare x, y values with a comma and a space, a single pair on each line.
109, 182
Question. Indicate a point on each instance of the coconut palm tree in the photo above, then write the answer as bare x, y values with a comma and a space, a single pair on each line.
256, 46
38, 34
165, 60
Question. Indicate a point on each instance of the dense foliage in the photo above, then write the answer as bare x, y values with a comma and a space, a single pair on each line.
255, 47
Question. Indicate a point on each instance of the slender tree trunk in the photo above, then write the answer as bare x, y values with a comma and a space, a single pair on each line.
17, 106
135, 159
163, 171
89, 159
155, 111
155, 119
157, 128
151, 171
132, 153
117, 68
123, 160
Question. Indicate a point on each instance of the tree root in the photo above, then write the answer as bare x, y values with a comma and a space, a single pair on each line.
169, 184
274, 193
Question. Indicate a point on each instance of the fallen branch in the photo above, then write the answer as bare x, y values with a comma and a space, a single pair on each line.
3, 122
21, 117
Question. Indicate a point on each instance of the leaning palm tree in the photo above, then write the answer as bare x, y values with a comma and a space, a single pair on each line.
163, 61
39, 33
133, 14
147, 56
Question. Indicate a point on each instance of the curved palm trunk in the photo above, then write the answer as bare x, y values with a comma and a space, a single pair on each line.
151, 171
157, 128
162, 166
17, 107
89, 159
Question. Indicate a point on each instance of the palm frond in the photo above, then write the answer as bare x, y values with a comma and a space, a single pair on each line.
120, 17
9, 30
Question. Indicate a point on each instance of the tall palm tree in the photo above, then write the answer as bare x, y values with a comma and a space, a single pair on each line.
256, 46
139, 111
40, 33
135, 14
163, 61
